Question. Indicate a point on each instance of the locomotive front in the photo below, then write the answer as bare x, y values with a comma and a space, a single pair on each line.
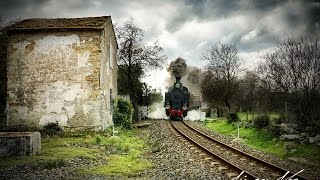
177, 100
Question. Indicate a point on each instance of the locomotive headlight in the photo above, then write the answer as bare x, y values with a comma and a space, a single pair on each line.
184, 107
168, 106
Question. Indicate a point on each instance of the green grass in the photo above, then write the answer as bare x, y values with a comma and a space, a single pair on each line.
53, 150
125, 158
260, 139
128, 161
121, 165
310, 152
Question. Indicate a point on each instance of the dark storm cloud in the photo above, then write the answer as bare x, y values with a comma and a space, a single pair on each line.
293, 12
23, 9
313, 20
266, 5
205, 10
14, 4
297, 18
19, 7
187, 27
202, 10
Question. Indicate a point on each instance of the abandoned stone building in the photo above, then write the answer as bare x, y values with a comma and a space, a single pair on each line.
62, 70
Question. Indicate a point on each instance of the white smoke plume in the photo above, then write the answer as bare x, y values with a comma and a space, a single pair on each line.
159, 111
193, 115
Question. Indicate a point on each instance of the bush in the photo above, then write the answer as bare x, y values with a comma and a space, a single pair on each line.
233, 117
261, 121
274, 130
280, 119
51, 129
123, 114
98, 139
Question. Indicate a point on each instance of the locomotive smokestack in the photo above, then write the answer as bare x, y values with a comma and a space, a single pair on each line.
178, 78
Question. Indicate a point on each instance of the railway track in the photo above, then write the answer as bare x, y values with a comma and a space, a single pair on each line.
234, 160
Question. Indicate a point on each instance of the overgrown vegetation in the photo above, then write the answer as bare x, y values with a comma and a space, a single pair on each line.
233, 117
220, 79
51, 129
98, 139
134, 57
123, 114
286, 82
117, 156
261, 121
263, 140
125, 158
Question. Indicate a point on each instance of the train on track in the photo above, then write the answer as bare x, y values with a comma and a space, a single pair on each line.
178, 101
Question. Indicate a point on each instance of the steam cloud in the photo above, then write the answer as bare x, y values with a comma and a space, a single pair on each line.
194, 75
192, 79
178, 67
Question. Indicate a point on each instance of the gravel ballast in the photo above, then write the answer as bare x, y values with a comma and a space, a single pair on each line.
171, 156
309, 170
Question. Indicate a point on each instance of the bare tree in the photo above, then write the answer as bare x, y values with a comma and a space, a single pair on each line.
294, 68
4, 23
247, 94
133, 53
223, 66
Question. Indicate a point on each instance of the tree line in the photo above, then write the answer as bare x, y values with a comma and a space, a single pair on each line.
134, 58
286, 82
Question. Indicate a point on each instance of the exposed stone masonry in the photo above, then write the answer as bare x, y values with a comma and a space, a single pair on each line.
61, 76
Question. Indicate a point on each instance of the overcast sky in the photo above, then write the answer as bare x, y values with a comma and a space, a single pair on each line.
186, 28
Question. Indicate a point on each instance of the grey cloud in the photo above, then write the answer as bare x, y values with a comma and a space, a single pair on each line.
313, 20
44, 8
19, 7
266, 5
259, 43
301, 12
205, 10
295, 18
78, 4
13, 4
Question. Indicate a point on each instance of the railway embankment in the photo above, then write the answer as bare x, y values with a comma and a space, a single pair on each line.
290, 155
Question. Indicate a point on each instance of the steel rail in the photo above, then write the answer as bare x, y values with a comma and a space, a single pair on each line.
268, 164
248, 175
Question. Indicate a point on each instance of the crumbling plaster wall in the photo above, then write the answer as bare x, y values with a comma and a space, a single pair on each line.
55, 76
113, 58
108, 75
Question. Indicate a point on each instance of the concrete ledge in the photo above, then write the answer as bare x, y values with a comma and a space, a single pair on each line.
19, 143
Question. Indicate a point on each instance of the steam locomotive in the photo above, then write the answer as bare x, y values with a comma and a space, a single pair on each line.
177, 101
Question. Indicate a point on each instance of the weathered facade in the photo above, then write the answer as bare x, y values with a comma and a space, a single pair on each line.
62, 70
